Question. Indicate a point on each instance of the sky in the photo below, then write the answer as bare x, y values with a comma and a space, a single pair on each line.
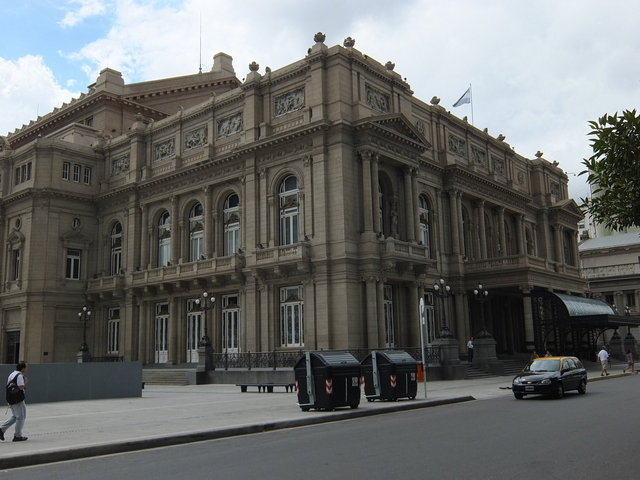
539, 70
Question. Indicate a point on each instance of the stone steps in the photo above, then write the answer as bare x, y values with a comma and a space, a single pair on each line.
164, 376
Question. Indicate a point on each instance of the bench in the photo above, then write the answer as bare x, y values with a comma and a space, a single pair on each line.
266, 387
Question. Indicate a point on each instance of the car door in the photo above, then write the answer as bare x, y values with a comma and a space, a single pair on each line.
569, 377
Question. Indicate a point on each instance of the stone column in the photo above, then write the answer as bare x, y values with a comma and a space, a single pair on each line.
413, 316
416, 203
557, 238
371, 311
174, 329
483, 233
409, 204
455, 224
145, 238
143, 331
367, 195
208, 227
380, 314
175, 233
529, 336
503, 238
375, 186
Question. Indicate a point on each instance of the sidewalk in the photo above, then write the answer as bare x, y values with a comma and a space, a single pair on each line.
170, 415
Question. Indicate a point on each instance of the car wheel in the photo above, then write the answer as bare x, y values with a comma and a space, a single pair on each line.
518, 395
582, 388
560, 391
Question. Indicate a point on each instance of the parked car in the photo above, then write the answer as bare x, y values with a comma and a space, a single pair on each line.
551, 376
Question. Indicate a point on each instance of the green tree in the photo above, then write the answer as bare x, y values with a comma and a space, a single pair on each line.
613, 171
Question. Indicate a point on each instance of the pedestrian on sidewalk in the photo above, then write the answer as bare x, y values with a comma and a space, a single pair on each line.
630, 363
603, 356
470, 346
19, 409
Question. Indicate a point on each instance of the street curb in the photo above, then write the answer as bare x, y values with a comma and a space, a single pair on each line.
607, 377
165, 441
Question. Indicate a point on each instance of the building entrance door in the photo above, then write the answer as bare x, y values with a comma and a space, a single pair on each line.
195, 331
230, 325
13, 347
161, 347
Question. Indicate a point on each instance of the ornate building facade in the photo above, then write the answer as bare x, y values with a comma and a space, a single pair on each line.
317, 204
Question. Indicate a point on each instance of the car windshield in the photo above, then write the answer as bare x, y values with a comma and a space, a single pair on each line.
543, 365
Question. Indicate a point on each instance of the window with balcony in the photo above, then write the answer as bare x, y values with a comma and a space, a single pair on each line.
425, 223
115, 264
291, 317
231, 217
289, 211
196, 233
164, 239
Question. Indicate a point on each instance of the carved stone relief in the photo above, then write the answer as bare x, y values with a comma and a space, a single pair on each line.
457, 146
289, 102
195, 138
229, 125
164, 150
554, 189
479, 156
498, 165
377, 100
120, 165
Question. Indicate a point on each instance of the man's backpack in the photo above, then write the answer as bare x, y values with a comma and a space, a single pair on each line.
14, 393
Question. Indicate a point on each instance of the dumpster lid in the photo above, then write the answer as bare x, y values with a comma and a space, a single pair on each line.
336, 358
397, 356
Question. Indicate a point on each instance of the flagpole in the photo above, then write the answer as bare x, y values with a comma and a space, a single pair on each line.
471, 95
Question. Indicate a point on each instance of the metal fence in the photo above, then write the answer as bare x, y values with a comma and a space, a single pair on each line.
287, 359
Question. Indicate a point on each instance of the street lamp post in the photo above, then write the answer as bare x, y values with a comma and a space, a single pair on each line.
84, 315
205, 351
205, 303
480, 295
443, 290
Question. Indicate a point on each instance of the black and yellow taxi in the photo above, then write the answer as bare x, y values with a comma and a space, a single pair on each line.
550, 376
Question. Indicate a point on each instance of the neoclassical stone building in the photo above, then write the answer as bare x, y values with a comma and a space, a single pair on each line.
317, 203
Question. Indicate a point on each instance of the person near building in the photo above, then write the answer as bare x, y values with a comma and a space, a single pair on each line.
18, 410
603, 356
548, 354
470, 346
630, 363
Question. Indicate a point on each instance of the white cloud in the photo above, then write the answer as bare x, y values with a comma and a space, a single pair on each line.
82, 9
27, 89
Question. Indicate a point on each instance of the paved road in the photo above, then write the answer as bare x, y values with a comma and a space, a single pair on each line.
499, 438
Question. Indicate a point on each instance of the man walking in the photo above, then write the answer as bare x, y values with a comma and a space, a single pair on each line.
19, 409
470, 346
603, 356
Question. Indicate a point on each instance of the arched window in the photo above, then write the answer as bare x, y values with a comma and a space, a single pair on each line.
289, 203
425, 222
231, 216
196, 233
115, 263
164, 239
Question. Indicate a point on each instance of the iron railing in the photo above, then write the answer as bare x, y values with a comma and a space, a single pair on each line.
287, 359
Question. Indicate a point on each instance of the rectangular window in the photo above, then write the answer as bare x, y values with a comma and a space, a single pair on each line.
87, 175
113, 331
76, 173
73, 264
16, 265
230, 323
631, 299
65, 170
89, 121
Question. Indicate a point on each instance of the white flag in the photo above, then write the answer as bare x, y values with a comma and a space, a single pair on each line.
465, 98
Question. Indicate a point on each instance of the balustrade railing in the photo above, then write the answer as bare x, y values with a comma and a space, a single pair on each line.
288, 359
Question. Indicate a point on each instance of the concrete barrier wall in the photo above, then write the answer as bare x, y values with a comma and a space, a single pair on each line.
56, 382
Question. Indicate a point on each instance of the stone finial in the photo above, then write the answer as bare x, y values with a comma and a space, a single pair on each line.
390, 65
486, 130
435, 100
253, 66
465, 119
267, 69
349, 42
501, 137
319, 37
538, 154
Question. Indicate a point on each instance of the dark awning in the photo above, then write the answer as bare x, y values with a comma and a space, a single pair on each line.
589, 312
